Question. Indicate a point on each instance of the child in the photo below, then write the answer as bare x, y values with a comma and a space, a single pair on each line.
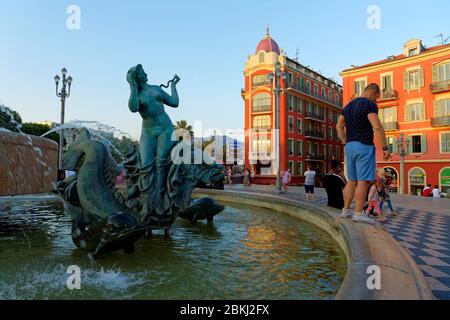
373, 202
286, 179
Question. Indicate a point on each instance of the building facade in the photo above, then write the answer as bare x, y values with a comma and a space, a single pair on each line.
414, 108
309, 107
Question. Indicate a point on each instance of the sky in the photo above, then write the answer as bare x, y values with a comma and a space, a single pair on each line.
206, 43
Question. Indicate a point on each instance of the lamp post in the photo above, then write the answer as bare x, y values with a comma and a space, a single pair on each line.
63, 94
403, 152
277, 91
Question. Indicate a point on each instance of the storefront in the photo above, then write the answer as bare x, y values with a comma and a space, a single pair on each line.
392, 177
444, 180
417, 181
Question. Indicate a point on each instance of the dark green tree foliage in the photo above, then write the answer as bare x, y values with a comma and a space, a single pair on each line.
37, 129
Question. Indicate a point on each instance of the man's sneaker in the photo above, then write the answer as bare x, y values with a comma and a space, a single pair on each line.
363, 218
346, 213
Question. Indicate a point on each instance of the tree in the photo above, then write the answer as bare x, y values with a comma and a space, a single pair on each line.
9, 119
38, 129
183, 124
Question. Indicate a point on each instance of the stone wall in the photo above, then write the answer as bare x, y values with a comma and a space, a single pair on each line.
28, 164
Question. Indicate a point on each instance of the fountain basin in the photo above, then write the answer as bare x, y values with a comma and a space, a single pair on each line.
364, 246
28, 164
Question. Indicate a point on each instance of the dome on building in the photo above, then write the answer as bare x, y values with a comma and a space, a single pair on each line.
268, 44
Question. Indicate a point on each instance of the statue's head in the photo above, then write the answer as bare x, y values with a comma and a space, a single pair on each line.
137, 74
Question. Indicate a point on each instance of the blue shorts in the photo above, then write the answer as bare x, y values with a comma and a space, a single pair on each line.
360, 161
309, 189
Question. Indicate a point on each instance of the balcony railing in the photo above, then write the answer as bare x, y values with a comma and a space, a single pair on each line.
440, 86
440, 121
314, 134
296, 86
388, 95
315, 116
390, 126
314, 157
262, 108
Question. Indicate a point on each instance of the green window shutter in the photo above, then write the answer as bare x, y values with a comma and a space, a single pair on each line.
405, 81
395, 146
407, 113
421, 78
409, 144
423, 143
435, 73
422, 111
437, 108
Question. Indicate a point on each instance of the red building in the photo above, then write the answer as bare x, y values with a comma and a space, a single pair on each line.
415, 104
309, 107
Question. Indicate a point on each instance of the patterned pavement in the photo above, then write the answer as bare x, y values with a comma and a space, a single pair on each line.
422, 228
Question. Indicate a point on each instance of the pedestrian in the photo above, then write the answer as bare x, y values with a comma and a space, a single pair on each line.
427, 191
247, 177
373, 202
286, 179
310, 175
229, 175
436, 192
383, 192
334, 185
356, 126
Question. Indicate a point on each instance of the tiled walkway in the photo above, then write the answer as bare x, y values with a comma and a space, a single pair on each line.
422, 228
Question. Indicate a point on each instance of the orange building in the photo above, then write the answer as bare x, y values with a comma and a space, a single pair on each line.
309, 107
414, 104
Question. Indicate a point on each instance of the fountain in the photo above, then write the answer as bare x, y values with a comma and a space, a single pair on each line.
247, 247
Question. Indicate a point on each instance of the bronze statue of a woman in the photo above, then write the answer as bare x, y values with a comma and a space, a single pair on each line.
156, 136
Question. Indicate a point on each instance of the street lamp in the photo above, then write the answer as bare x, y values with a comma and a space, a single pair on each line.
63, 94
277, 91
402, 152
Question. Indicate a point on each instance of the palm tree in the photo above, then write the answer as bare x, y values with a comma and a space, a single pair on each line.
183, 124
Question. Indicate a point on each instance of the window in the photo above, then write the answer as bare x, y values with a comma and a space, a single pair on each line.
392, 144
300, 148
388, 117
291, 124
308, 147
261, 79
330, 133
261, 122
413, 79
338, 153
292, 167
336, 136
324, 151
308, 107
330, 115
359, 87
308, 87
300, 168
300, 104
302, 84
442, 108
324, 96
290, 102
336, 100
444, 72
299, 126
291, 147
417, 143
415, 112
262, 102
330, 96
445, 142
316, 90
330, 151
261, 57
412, 52
262, 145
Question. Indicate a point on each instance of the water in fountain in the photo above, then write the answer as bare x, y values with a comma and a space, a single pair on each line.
7, 121
102, 132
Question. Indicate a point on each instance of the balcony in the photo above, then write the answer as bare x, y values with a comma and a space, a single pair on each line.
314, 134
387, 95
315, 116
440, 121
314, 157
390, 126
440, 86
